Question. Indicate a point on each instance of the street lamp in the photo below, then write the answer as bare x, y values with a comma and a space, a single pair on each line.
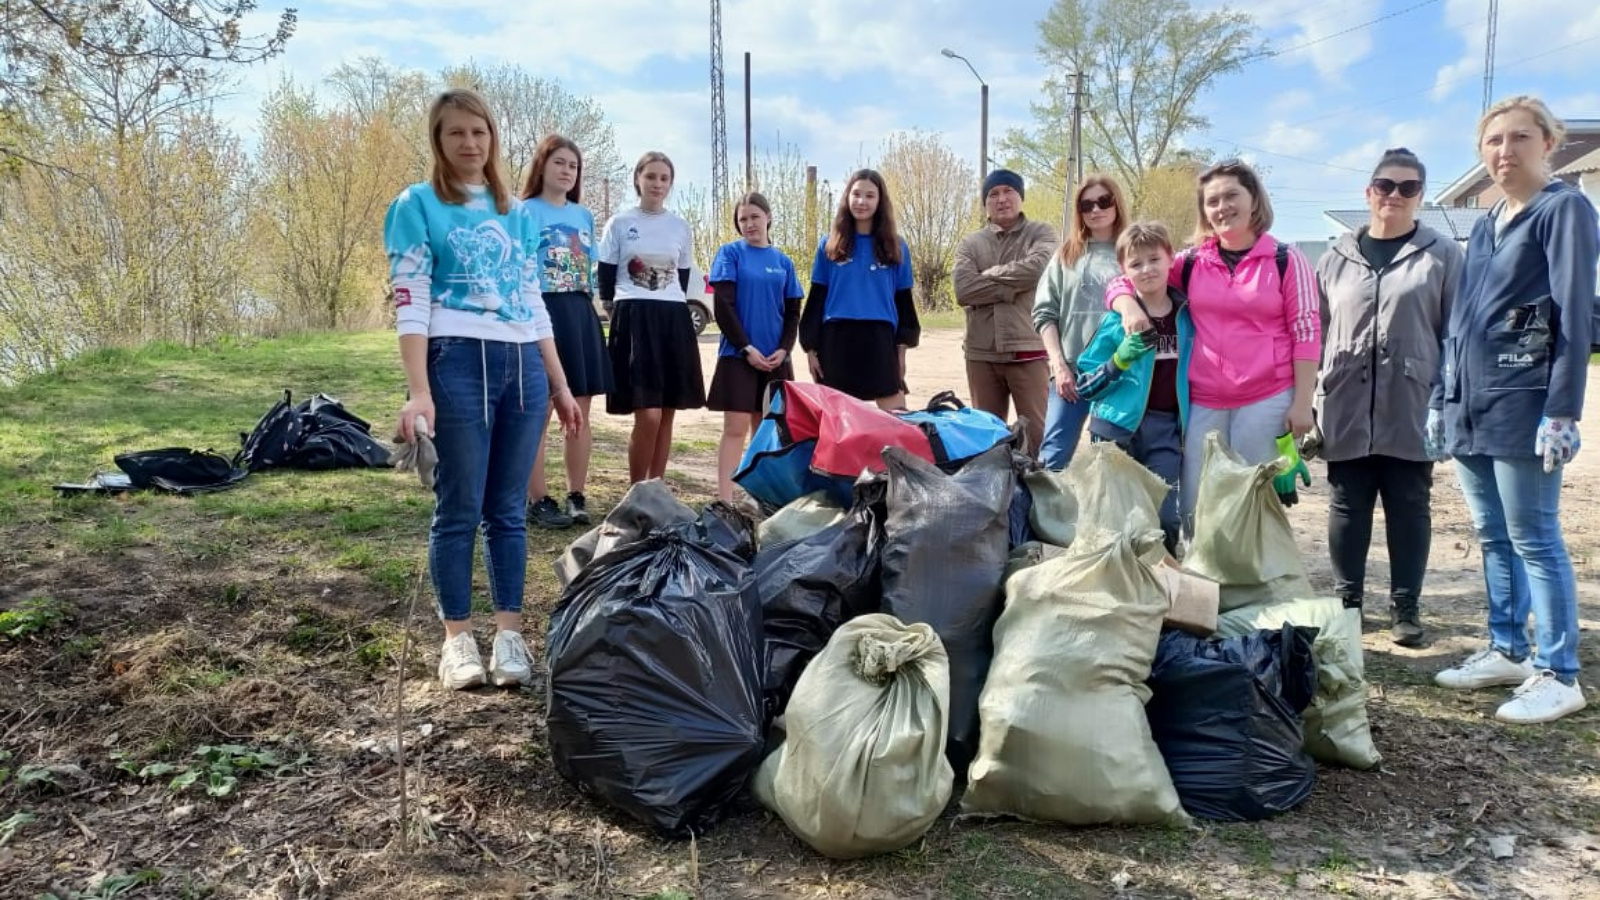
983, 128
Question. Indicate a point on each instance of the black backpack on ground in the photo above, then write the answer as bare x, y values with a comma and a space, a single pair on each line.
317, 434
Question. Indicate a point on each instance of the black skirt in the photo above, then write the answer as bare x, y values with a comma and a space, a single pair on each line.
655, 358
580, 343
737, 386
859, 357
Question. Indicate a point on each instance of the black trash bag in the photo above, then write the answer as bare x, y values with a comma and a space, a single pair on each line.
944, 558
273, 439
647, 506
1020, 529
317, 434
723, 526
1226, 715
654, 695
179, 470
812, 585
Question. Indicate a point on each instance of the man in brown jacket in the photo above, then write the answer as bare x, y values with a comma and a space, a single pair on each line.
995, 274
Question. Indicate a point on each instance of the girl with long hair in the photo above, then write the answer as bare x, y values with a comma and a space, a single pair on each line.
563, 232
481, 366
1069, 305
860, 317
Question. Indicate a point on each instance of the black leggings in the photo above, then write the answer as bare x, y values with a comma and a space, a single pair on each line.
1405, 488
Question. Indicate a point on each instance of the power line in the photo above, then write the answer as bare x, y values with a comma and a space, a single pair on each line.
1350, 30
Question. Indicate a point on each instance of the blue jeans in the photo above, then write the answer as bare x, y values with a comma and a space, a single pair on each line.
1063, 428
1514, 506
489, 399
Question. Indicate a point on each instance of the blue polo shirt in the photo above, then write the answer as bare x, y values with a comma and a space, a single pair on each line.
763, 278
861, 287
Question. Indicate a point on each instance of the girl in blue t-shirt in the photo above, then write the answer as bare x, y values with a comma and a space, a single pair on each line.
756, 296
860, 318
562, 231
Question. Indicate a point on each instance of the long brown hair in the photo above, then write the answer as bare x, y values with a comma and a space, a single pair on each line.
1072, 249
885, 235
541, 158
445, 180
756, 199
1240, 171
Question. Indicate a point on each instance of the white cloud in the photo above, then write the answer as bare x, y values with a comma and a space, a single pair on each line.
1327, 38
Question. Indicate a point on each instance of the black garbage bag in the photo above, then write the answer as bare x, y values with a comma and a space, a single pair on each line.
179, 470
723, 526
944, 557
1226, 715
812, 585
316, 434
1019, 528
654, 696
647, 506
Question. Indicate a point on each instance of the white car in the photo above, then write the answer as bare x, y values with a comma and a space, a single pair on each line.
699, 298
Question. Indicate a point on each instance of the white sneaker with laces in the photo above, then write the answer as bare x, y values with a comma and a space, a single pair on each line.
1541, 698
1486, 668
509, 662
460, 665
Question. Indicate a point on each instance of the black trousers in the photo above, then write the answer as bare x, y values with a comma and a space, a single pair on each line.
1405, 488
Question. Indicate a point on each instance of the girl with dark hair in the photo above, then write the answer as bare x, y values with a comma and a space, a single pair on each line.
1257, 333
756, 295
481, 366
1516, 362
1386, 295
562, 229
1069, 305
860, 317
655, 357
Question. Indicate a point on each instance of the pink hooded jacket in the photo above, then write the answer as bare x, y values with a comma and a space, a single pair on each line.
1249, 325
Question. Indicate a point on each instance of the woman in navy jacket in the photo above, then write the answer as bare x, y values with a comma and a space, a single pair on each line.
1515, 361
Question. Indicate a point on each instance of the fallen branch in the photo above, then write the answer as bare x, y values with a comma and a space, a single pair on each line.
400, 711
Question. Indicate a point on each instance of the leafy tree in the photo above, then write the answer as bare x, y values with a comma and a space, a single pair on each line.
935, 200
1145, 64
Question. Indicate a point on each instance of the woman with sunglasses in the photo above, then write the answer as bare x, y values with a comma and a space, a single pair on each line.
1257, 335
1516, 359
1068, 307
1386, 295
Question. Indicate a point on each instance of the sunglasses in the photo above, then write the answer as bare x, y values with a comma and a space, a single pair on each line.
1086, 206
1408, 188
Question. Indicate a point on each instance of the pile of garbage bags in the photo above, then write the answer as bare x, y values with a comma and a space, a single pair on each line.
852, 664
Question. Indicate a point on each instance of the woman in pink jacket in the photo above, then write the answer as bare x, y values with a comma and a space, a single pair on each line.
1258, 331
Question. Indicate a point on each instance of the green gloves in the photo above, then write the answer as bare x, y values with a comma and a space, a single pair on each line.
1285, 484
1131, 348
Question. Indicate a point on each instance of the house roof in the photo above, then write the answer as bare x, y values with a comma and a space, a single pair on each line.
1583, 138
1589, 162
1454, 222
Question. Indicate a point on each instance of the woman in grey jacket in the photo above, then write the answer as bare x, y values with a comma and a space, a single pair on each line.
1516, 358
1386, 294
1069, 304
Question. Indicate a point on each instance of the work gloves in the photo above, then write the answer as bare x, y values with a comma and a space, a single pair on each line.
1557, 441
1433, 442
418, 456
1132, 347
1293, 468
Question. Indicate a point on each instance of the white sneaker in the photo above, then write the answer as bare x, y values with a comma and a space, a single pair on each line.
460, 666
1486, 668
1542, 698
510, 662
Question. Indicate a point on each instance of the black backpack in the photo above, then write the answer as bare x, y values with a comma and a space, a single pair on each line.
179, 470
1281, 255
316, 434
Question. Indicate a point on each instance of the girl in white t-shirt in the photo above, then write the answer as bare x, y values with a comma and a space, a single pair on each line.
644, 263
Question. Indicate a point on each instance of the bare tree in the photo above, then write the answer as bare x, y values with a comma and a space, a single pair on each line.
935, 201
1145, 64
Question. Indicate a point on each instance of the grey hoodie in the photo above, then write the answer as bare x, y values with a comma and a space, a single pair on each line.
1382, 334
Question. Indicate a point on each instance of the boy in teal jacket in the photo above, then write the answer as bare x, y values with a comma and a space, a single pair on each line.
1138, 384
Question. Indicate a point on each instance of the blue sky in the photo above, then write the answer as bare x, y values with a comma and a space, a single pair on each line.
836, 77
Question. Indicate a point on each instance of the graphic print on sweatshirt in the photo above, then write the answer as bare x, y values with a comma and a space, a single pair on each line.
564, 253
488, 261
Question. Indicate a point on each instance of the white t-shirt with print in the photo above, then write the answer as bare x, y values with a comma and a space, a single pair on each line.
648, 249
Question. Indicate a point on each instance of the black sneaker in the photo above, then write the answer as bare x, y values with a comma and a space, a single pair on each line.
546, 514
577, 508
1405, 626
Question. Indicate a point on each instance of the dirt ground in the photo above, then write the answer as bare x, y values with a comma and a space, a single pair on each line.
492, 819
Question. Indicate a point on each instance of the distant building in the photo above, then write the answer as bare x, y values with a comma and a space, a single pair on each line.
1455, 222
1577, 162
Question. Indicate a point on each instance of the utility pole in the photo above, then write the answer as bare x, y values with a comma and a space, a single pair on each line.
811, 203
719, 122
983, 122
1488, 55
749, 153
1074, 152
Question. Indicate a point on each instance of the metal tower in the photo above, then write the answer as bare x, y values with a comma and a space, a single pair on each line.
719, 123
1488, 55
